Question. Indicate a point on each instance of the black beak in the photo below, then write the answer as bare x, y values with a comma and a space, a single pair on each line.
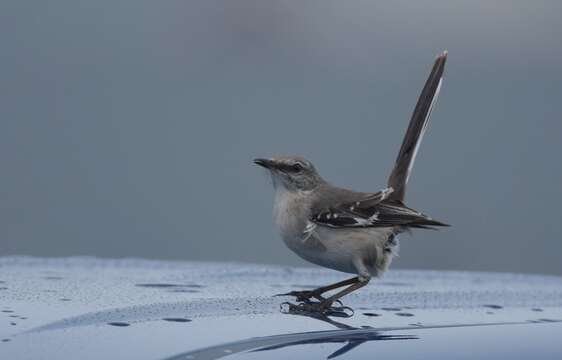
266, 163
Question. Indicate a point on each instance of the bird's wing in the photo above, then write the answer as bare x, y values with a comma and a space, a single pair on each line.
372, 211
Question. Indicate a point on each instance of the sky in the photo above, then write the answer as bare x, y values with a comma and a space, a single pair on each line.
128, 128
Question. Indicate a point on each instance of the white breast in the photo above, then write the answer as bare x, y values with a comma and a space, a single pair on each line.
288, 212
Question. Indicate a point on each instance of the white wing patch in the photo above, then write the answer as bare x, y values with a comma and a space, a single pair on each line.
308, 230
351, 215
372, 211
385, 193
368, 221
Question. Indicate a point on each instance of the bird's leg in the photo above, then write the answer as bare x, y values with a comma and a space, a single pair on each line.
358, 285
325, 306
307, 295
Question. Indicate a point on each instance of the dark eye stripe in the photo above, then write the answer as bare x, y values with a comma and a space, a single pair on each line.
297, 167
291, 168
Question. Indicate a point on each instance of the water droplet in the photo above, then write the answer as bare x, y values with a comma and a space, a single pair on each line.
549, 320
183, 291
117, 323
177, 319
166, 285
403, 314
371, 314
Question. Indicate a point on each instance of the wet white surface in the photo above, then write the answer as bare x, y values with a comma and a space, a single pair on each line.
139, 309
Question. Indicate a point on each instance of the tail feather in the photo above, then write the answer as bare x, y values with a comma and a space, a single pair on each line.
416, 129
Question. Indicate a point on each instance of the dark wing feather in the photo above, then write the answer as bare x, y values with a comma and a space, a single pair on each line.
373, 211
418, 124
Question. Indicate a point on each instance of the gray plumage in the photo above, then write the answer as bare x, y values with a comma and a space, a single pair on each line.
334, 227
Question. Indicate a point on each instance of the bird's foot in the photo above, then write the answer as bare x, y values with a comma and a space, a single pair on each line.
305, 296
322, 308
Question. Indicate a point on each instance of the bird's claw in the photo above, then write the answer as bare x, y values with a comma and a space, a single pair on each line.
304, 296
318, 308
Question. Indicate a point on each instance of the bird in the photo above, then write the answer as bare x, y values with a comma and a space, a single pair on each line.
345, 230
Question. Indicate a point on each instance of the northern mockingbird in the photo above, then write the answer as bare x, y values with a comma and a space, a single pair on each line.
345, 230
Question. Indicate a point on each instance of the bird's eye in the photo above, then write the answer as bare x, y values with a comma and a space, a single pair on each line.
297, 167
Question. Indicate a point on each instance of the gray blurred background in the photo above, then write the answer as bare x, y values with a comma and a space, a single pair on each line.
127, 128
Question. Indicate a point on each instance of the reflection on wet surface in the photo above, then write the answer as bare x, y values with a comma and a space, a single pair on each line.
351, 340
350, 337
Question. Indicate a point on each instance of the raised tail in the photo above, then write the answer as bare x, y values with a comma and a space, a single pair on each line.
418, 124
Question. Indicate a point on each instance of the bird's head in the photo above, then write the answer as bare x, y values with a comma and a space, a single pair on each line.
293, 173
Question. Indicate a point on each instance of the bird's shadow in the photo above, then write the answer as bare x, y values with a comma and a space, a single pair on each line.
350, 336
